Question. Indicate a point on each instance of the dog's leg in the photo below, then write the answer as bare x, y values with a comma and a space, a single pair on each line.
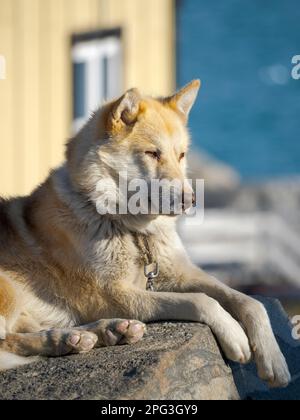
59, 342
155, 306
271, 364
49, 343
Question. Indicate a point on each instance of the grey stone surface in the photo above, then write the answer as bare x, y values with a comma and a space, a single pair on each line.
174, 361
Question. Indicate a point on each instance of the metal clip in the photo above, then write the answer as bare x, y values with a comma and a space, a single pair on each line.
151, 275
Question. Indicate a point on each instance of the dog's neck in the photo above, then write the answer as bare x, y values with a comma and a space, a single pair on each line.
86, 212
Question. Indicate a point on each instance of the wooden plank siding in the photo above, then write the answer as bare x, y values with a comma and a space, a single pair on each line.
7, 156
36, 96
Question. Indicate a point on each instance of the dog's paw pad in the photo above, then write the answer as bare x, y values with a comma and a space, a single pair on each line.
124, 332
135, 332
122, 326
81, 341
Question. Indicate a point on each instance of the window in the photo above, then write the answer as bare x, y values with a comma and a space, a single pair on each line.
97, 72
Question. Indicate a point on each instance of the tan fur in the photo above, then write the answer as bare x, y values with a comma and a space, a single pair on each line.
69, 266
7, 298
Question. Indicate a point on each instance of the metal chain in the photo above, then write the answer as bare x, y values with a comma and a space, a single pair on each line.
142, 242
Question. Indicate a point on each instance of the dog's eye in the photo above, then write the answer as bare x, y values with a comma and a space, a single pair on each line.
182, 156
154, 154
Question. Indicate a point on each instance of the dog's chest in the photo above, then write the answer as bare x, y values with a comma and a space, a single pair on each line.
118, 262
123, 258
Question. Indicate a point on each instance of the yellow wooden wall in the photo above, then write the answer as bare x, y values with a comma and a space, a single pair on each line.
35, 97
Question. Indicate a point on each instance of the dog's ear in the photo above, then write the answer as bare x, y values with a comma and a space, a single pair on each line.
183, 101
126, 110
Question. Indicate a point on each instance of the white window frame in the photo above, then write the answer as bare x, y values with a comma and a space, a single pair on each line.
90, 52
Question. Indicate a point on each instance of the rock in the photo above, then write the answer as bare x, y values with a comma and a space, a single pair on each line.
174, 361
218, 175
221, 180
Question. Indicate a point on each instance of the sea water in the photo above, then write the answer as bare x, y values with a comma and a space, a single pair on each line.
248, 112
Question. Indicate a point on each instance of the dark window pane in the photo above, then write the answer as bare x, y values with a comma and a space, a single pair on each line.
79, 70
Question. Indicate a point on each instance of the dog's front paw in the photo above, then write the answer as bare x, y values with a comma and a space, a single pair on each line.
271, 364
80, 341
122, 331
234, 341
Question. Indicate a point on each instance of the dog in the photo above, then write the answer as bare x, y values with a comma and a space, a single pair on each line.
72, 279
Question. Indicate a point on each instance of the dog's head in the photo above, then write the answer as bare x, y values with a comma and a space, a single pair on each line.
141, 139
